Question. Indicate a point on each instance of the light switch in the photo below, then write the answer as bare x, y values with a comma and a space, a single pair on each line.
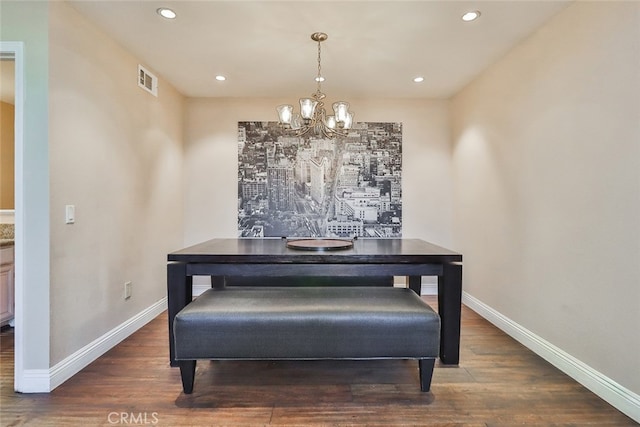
70, 214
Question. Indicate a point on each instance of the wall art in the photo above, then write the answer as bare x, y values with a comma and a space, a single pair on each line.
310, 186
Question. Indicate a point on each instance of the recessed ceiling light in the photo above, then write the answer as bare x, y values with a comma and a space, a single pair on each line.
471, 16
221, 78
418, 79
166, 13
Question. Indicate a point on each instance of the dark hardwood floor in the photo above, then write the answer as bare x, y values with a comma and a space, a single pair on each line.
498, 383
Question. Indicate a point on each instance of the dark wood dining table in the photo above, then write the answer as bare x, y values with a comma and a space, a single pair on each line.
271, 257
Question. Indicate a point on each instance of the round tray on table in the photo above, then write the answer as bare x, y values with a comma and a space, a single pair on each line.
319, 244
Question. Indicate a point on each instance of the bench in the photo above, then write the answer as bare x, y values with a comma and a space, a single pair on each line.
306, 323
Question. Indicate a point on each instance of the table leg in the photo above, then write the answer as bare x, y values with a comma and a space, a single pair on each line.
179, 294
449, 308
415, 284
217, 282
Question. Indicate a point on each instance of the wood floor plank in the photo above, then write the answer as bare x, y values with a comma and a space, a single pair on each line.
498, 383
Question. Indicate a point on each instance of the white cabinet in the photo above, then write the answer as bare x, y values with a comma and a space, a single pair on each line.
6, 285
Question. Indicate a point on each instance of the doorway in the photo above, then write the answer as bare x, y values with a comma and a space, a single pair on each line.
14, 52
7, 184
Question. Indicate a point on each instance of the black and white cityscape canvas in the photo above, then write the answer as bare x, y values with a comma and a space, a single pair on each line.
310, 186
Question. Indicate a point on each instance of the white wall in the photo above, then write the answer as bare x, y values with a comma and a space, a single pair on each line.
211, 163
547, 178
116, 154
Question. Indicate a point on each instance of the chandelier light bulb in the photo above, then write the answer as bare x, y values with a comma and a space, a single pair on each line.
341, 109
285, 112
307, 108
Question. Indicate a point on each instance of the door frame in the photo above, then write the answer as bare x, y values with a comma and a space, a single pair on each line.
15, 50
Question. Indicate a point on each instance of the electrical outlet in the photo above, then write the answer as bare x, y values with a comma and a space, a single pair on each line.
128, 288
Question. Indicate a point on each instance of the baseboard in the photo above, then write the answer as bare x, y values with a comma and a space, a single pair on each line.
35, 381
198, 289
73, 364
429, 289
616, 395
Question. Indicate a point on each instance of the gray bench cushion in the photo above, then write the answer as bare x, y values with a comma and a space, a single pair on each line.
307, 323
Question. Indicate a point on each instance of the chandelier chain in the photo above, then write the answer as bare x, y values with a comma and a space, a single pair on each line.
319, 78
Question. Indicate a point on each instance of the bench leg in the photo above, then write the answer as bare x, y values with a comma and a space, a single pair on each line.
188, 373
426, 373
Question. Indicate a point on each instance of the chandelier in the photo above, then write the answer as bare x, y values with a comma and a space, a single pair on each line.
313, 116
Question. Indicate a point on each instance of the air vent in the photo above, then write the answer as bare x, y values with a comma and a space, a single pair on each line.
147, 81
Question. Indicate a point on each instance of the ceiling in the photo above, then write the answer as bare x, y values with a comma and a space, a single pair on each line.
374, 49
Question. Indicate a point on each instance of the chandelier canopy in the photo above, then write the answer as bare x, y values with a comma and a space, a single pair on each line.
312, 114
